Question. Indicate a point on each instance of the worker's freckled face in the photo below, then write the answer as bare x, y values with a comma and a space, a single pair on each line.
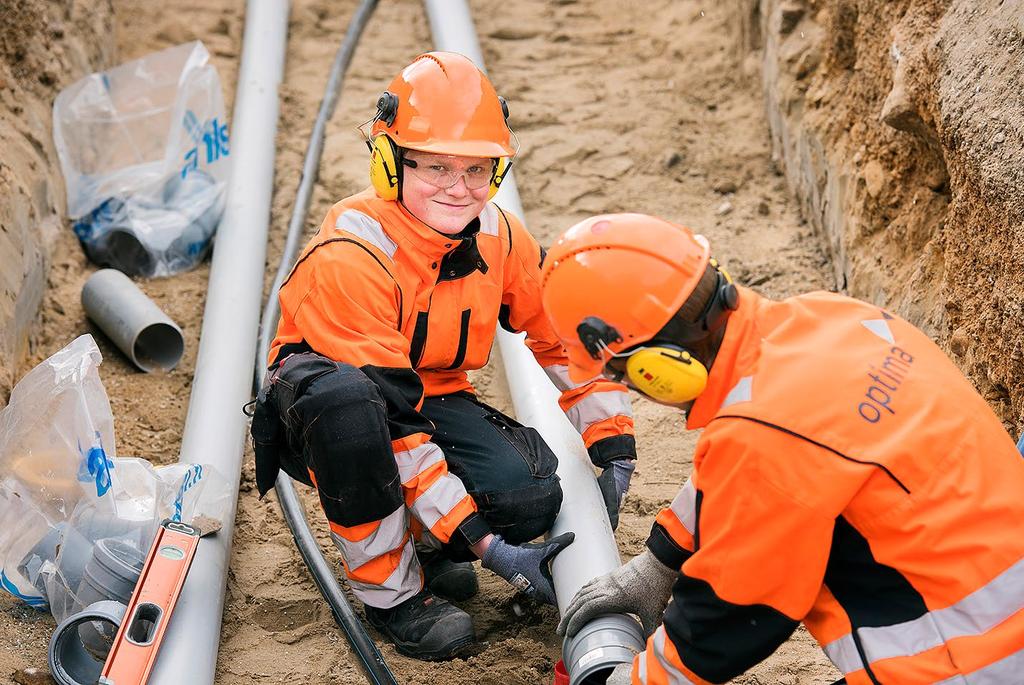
447, 210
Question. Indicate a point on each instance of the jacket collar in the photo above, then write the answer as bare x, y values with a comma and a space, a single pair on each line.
736, 358
427, 241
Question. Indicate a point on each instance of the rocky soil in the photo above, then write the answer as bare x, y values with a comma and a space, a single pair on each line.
900, 127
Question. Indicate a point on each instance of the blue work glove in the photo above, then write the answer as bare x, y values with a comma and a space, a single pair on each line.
614, 481
527, 566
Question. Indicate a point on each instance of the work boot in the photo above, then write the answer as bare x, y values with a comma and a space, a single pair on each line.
446, 578
424, 627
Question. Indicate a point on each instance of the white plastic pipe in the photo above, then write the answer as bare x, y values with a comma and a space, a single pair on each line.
610, 639
215, 428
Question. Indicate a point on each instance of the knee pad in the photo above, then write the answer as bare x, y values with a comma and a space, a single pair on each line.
524, 514
340, 419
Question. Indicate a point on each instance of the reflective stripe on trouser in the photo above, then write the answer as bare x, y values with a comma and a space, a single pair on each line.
437, 498
659, 664
911, 645
380, 560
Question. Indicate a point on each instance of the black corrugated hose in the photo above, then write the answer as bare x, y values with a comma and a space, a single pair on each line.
370, 659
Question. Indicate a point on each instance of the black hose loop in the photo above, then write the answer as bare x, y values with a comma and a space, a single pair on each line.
370, 659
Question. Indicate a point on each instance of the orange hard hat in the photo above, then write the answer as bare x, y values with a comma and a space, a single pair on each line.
443, 103
630, 272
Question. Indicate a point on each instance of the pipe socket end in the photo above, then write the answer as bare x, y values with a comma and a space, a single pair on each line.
601, 645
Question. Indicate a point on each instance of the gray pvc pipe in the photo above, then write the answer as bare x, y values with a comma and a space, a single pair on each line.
132, 321
215, 428
614, 638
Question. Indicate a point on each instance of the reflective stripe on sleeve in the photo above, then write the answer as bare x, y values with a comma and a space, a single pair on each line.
559, 376
598, 406
684, 506
975, 614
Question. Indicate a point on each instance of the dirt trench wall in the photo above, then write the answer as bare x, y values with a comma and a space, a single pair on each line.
899, 125
44, 46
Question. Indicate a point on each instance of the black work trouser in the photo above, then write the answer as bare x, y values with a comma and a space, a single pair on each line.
332, 423
507, 467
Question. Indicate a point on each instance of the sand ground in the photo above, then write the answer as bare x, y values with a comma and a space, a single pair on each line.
620, 105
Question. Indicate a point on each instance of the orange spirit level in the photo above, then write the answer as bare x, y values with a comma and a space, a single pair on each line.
135, 647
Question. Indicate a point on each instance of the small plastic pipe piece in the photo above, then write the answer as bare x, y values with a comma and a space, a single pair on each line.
132, 321
71, 660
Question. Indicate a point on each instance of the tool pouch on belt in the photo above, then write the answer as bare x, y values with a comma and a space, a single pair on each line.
268, 435
539, 458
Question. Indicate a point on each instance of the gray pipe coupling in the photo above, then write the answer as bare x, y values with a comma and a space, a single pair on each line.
608, 640
79, 646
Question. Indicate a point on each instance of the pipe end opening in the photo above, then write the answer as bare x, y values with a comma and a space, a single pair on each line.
158, 348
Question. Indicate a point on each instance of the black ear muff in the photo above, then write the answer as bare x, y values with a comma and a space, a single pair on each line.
504, 107
387, 108
730, 296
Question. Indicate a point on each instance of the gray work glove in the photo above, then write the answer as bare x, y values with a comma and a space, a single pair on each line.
614, 481
642, 587
621, 674
527, 566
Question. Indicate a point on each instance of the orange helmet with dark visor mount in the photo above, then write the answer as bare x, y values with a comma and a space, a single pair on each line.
615, 286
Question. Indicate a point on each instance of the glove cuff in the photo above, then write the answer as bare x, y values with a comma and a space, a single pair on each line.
665, 549
498, 557
648, 565
611, 448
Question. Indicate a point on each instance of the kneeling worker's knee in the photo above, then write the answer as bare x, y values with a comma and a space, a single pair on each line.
346, 443
523, 514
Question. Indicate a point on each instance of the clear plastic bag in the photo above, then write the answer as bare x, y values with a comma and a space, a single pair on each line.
74, 518
145, 154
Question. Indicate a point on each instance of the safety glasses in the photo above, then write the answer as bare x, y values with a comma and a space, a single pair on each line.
443, 171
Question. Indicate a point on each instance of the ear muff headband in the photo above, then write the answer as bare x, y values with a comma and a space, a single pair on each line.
384, 167
384, 163
666, 374
501, 168
669, 373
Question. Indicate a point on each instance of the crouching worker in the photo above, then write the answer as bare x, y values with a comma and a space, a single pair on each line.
395, 297
848, 476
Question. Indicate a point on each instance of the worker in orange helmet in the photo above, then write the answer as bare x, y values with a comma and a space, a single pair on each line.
397, 295
848, 476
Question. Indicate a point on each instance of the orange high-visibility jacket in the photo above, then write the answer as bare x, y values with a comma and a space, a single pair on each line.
851, 478
414, 309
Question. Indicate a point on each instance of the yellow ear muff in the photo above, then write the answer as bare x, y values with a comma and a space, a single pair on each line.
384, 167
665, 374
500, 169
